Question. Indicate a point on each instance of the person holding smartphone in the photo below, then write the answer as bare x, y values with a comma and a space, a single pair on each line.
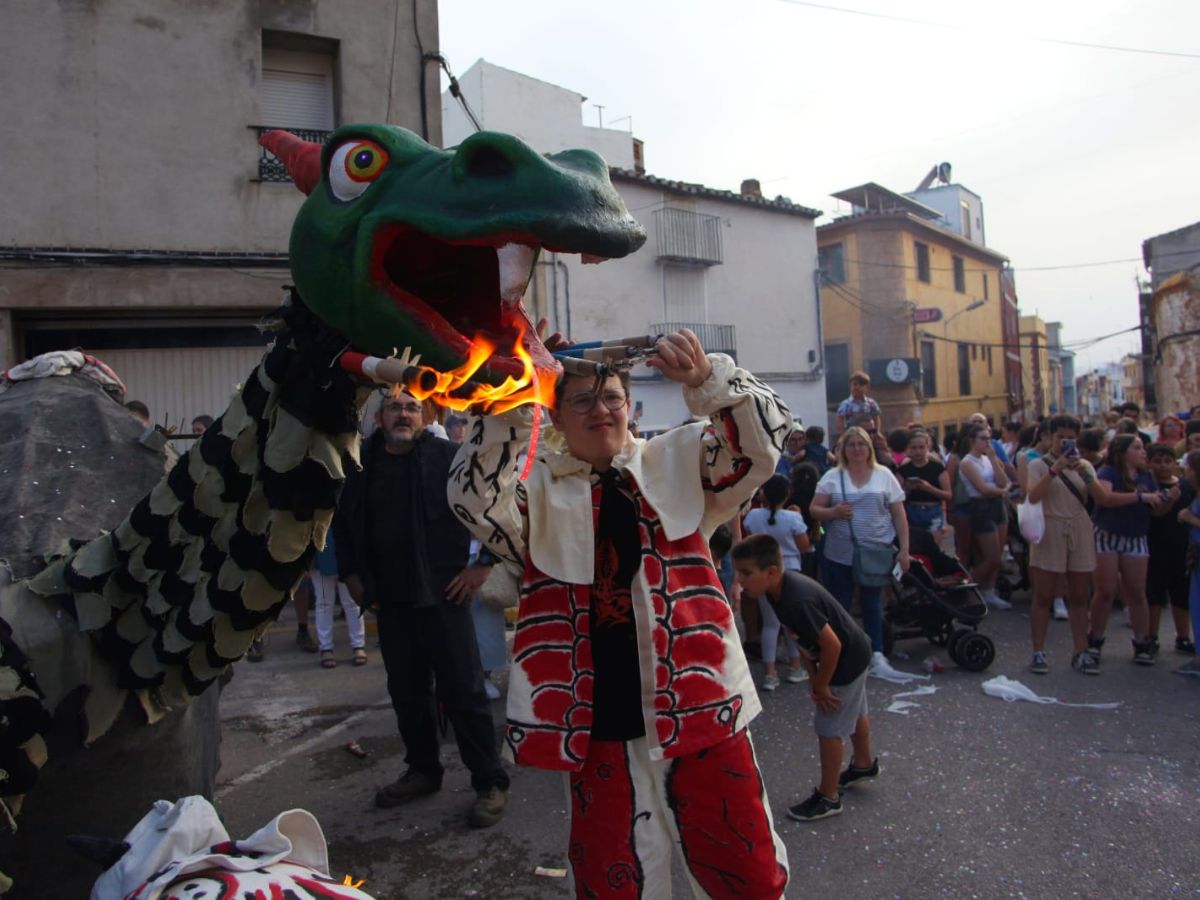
926, 485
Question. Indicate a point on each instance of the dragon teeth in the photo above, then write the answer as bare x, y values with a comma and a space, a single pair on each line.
516, 262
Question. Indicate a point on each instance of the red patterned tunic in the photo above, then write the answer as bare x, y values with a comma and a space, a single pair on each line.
695, 685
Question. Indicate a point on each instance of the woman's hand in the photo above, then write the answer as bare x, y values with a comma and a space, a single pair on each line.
903, 560
843, 511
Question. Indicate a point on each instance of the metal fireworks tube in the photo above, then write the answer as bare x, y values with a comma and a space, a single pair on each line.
389, 371
641, 340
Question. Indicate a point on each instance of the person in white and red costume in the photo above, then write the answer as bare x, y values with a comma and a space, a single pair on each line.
627, 671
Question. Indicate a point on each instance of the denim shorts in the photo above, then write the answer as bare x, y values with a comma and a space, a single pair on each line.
926, 516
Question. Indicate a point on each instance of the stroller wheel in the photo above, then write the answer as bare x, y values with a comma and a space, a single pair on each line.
975, 652
940, 633
952, 645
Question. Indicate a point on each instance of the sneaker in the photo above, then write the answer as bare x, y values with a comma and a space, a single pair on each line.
1143, 653
995, 601
1039, 666
493, 692
306, 641
854, 776
409, 786
488, 808
1060, 609
818, 806
256, 651
1085, 663
1185, 645
1095, 647
1189, 668
796, 675
770, 683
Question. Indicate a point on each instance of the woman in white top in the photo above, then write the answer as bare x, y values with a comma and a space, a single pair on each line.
788, 528
860, 494
986, 484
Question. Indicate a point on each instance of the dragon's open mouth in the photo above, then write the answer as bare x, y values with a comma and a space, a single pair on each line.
461, 293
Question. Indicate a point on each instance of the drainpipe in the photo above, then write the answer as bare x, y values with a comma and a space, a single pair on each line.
820, 366
558, 263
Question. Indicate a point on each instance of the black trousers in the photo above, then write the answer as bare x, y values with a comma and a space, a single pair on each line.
435, 645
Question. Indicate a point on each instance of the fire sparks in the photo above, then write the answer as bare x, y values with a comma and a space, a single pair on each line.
455, 390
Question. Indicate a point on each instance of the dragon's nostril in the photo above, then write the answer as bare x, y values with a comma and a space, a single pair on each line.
487, 161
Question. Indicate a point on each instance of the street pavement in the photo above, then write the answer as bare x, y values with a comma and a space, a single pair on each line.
977, 797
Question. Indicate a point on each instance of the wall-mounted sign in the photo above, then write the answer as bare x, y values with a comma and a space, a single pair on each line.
928, 314
895, 370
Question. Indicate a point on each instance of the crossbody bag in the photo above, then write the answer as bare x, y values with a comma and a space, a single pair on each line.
873, 562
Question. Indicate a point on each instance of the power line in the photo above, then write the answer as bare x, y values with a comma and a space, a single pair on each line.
1041, 40
1080, 344
1064, 266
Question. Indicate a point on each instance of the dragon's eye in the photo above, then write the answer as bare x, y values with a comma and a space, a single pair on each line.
353, 166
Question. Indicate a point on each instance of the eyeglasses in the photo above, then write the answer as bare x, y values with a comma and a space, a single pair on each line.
585, 401
411, 408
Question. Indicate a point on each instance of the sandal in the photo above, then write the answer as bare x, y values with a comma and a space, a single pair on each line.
360, 656
327, 660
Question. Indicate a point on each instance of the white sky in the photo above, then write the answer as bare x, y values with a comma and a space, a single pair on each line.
1079, 154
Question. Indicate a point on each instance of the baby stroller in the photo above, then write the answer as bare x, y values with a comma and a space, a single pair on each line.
937, 600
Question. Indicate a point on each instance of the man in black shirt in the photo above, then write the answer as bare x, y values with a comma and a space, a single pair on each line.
402, 552
837, 653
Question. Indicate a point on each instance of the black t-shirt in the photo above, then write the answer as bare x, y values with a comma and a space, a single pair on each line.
617, 688
806, 608
1168, 536
931, 472
391, 493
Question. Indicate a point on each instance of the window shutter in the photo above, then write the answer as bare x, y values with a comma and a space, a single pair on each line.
297, 90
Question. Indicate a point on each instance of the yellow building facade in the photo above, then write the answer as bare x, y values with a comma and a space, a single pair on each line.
1037, 381
896, 286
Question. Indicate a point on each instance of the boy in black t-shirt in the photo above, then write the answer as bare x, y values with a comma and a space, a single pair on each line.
837, 654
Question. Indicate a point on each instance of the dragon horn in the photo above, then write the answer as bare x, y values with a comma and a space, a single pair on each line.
301, 158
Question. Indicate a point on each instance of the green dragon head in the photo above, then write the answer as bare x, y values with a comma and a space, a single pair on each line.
400, 244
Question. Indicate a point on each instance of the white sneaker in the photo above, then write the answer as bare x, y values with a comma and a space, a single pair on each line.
770, 683
796, 675
995, 601
493, 692
1060, 609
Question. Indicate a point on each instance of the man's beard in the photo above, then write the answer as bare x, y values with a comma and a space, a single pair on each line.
401, 443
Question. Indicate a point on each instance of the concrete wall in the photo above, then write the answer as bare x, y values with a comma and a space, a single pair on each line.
547, 117
1176, 312
1176, 251
127, 125
948, 199
765, 288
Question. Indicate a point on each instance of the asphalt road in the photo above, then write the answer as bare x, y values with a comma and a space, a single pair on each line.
977, 797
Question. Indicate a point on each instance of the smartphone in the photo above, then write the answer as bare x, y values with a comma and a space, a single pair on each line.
1069, 448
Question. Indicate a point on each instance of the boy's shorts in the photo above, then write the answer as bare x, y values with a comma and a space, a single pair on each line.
841, 722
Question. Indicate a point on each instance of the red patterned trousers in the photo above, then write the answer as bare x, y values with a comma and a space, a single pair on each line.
628, 812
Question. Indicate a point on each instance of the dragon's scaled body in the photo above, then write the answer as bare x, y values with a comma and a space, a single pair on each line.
398, 246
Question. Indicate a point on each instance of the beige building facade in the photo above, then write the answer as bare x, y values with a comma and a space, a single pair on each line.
143, 222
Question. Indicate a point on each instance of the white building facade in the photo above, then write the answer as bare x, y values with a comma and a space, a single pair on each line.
737, 268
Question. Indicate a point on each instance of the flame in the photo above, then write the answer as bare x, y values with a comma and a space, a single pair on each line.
455, 390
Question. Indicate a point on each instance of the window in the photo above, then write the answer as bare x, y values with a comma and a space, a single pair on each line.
297, 88
684, 298
965, 217
688, 236
928, 369
964, 370
922, 261
832, 262
960, 275
985, 285
989, 358
974, 350
837, 372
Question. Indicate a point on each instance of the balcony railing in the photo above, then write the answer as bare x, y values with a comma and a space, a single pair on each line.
689, 237
714, 338
269, 167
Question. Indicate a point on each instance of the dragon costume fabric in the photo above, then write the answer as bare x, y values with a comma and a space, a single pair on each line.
402, 249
